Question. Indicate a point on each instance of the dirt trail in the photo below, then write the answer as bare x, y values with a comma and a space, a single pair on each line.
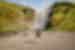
48, 41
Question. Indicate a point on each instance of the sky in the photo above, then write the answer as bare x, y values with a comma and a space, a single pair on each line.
34, 3
39, 4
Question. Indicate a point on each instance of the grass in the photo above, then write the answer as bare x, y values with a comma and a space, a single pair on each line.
64, 17
10, 15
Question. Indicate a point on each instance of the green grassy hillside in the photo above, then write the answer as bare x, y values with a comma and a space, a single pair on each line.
11, 16
64, 16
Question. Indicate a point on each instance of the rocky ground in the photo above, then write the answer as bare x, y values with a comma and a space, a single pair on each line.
47, 41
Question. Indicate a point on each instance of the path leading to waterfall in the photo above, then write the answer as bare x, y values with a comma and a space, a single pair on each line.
47, 41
